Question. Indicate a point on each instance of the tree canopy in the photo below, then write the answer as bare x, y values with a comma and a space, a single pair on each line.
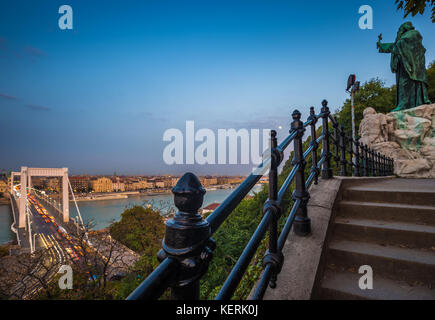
431, 81
141, 229
372, 93
416, 6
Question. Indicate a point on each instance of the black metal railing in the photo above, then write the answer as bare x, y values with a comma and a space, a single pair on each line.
188, 246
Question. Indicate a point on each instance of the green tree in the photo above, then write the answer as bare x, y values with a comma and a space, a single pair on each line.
416, 6
142, 230
372, 93
431, 81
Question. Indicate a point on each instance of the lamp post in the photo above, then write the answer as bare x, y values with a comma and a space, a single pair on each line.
352, 87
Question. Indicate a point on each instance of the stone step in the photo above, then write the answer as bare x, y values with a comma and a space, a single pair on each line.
387, 211
410, 265
344, 286
424, 197
384, 232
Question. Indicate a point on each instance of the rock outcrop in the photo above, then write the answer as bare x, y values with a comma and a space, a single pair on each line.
407, 136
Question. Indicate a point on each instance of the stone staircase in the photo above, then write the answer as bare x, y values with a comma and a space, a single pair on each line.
390, 226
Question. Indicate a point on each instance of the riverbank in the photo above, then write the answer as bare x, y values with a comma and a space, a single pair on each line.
127, 194
97, 198
105, 196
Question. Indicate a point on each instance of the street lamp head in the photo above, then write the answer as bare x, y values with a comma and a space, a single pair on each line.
355, 87
350, 81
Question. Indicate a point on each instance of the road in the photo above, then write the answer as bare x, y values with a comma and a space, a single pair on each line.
59, 248
48, 235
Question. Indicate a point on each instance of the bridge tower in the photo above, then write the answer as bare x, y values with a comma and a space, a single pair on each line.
26, 175
23, 198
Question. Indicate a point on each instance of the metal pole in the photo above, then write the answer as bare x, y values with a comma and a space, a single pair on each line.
301, 224
326, 167
273, 259
343, 161
352, 92
315, 146
357, 171
273, 196
336, 143
187, 239
351, 154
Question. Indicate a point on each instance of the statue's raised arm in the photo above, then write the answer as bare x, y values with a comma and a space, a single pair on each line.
384, 47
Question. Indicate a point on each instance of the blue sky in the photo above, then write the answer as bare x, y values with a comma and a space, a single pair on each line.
98, 98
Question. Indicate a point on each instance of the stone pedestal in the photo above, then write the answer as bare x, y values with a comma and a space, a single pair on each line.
407, 136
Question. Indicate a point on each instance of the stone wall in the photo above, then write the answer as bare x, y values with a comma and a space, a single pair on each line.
407, 136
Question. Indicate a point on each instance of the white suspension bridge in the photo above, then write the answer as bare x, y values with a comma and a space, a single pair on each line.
22, 214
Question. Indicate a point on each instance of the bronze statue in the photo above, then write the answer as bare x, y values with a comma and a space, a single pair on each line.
408, 63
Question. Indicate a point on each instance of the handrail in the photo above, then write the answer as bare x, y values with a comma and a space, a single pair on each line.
333, 119
287, 141
156, 283
188, 246
260, 290
224, 210
242, 263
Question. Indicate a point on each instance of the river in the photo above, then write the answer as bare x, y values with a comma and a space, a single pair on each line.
104, 212
6, 220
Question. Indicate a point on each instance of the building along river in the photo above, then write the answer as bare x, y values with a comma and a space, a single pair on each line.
103, 212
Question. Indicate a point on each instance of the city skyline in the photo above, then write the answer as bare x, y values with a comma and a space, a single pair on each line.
98, 98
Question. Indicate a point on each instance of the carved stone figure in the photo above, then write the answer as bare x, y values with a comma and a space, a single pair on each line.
407, 136
374, 126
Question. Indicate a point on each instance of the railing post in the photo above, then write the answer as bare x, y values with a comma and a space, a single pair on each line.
273, 257
336, 143
357, 159
387, 166
372, 161
363, 160
387, 169
367, 161
384, 165
391, 166
315, 145
343, 161
187, 238
302, 224
326, 167
379, 166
